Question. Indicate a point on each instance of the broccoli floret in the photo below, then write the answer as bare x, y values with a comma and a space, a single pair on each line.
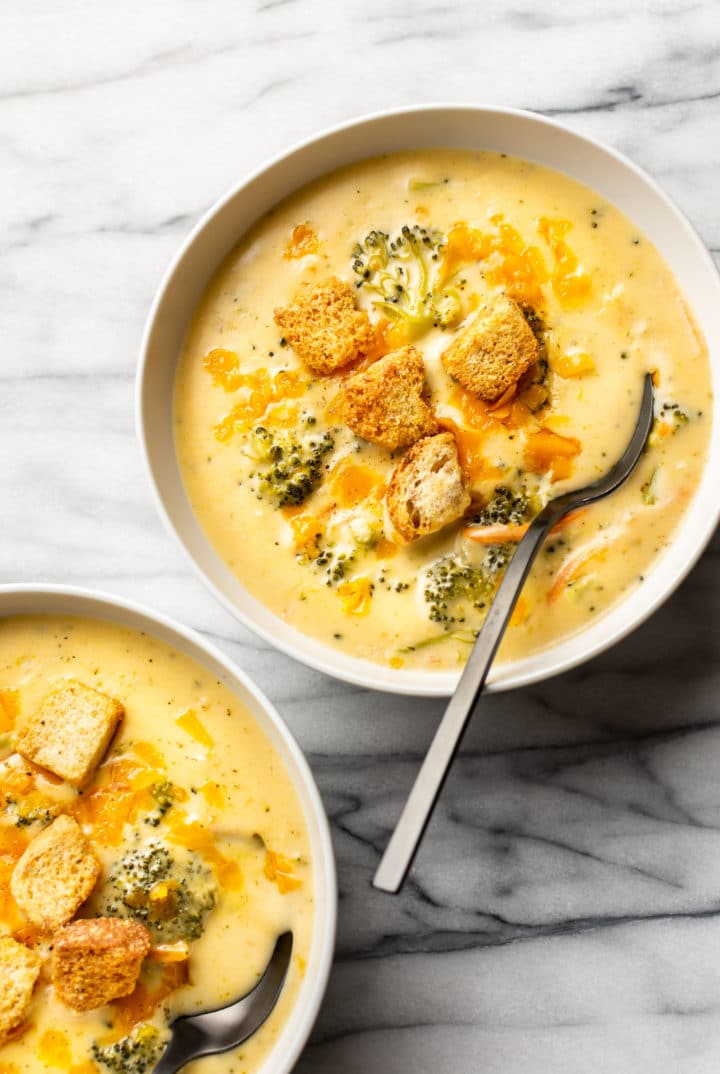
290, 468
26, 812
670, 419
170, 895
506, 506
649, 490
41, 817
671, 412
164, 795
334, 564
403, 273
451, 585
22, 817
133, 1054
496, 559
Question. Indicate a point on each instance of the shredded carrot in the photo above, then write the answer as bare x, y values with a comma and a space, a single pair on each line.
498, 533
574, 567
511, 533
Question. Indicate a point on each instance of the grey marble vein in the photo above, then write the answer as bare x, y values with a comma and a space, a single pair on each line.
564, 913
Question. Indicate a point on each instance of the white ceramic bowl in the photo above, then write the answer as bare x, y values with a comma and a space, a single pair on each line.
61, 600
522, 134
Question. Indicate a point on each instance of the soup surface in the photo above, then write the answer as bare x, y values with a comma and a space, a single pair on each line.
193, 804
425, 240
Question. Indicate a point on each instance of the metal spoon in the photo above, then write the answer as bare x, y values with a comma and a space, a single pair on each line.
403, 846
196, 1035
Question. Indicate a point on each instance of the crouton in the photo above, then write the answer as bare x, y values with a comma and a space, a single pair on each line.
325, 326
493, 351
70, 731
385, 404
427, 490
55, 875
19, 970
98, 960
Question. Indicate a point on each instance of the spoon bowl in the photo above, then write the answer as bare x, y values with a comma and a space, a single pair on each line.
196, 1035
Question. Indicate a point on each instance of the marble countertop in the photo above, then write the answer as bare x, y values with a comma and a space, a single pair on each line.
564, 914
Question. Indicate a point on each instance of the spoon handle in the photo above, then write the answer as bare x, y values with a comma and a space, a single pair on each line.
405, 840
403, 845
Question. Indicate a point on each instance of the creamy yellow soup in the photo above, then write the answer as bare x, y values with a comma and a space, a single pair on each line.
605, 309
225, 802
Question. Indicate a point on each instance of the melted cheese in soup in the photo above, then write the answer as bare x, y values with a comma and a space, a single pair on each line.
606, 309
189, 771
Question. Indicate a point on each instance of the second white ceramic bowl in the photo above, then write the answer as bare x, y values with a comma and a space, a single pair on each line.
522, 134
58, 600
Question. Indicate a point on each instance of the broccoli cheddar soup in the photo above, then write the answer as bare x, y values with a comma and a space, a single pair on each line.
399, 365
152, 849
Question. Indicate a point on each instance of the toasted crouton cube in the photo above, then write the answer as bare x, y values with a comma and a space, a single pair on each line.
70, 731
325, 326
55, 875
493, 351
98, 960
427, 490
385, 404
19, 970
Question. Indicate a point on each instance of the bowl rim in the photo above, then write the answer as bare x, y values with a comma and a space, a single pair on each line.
102, 605
362, 672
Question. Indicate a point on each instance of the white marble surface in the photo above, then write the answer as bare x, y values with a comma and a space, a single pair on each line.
565, 913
